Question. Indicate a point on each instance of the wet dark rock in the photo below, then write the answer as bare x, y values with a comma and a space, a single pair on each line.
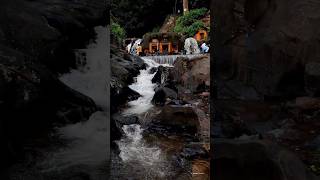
261, 160
312, 78
126, 120
263, 45
162, 73
49, 35
124, 68
37, 42
153, 70
33, 100
178, 118
193, 74
121, 96
314, 144
177, 102
162, 94
194, 151
117, 122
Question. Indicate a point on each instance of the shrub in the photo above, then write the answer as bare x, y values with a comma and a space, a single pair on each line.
190, 23
117, 32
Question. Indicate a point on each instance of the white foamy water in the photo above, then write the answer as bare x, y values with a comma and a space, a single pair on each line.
88, 141
91, 79
145, 88
170, 59
133, 149
88, 144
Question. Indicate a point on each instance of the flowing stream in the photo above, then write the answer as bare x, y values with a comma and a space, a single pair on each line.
83, 148
88, 139
139, 158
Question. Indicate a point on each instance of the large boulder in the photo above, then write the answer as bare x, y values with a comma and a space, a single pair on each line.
162, 94
178, 119
263, 44
161, 76
49, 31
33, 100
312, 78
193, 74
254, 159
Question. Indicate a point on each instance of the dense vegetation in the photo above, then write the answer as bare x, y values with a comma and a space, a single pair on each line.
117, 32
190, 23
141, 16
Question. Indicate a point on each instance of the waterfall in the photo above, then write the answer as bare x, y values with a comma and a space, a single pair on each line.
88, 144
170, 59
134, 151
145, 88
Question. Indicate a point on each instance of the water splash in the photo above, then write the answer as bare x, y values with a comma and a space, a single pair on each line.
87, 147
145, 88
133, 148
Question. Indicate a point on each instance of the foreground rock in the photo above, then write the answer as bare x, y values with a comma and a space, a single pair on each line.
261, 160
193, 74
37, 41
178, 119
33, 101
262, 44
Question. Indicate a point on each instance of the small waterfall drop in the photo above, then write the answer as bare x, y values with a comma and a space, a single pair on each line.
170, 59
145, 88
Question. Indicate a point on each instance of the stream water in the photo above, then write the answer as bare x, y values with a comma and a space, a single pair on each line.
142, 157
82, 149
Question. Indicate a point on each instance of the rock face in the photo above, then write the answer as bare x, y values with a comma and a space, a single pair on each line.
193, 74
178, 118
312, 78
265, 44
261, 160
37, 39
48, 31
161, 76
162, 94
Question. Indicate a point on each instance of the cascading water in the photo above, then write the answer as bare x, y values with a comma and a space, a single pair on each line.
88, 140
137, 155
170, 59
145, 88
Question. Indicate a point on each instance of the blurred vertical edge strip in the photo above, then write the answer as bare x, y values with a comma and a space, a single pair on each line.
213, 91
108, 5
213, 88
220, 53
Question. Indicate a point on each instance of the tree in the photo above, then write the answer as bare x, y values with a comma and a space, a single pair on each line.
185, 6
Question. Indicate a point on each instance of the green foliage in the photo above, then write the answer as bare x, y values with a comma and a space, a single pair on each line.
117, 32
190, 23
